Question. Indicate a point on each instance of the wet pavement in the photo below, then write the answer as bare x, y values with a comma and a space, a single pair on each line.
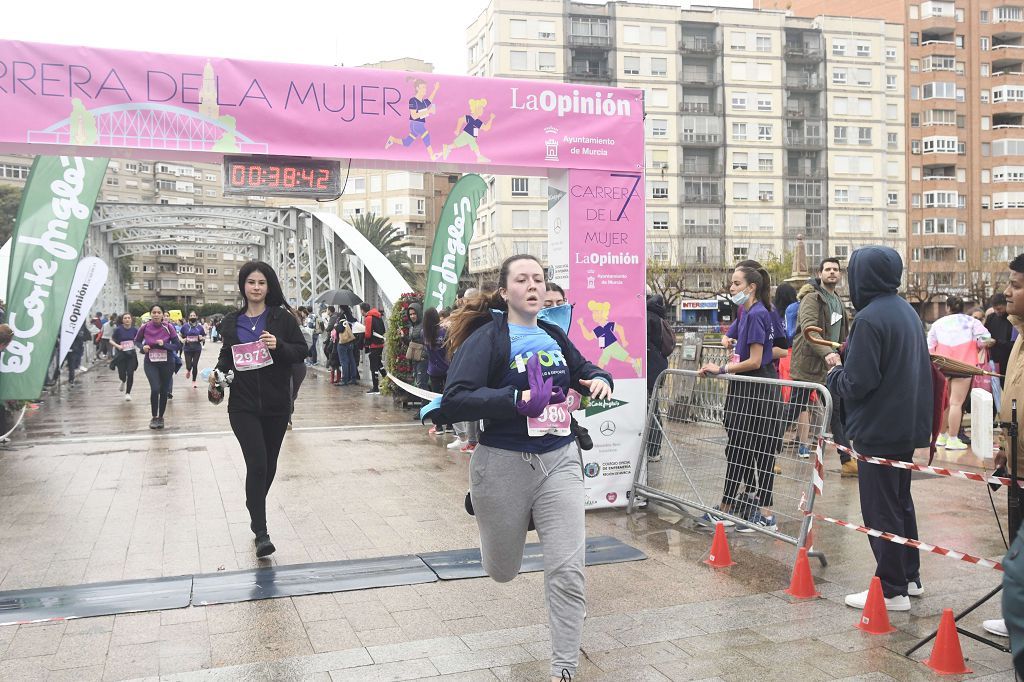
88, 493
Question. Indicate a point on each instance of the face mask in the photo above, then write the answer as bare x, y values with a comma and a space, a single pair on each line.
739, 298
558, 315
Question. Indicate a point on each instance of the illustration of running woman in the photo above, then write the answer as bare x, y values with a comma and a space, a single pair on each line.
611, 340
471, 124
420, 107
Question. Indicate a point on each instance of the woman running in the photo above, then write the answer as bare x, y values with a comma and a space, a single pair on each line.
420, 107
261, 343
194, 335
126, 358
158, 342
753, 418
507, 368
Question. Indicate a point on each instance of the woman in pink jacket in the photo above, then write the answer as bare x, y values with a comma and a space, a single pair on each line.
959, 337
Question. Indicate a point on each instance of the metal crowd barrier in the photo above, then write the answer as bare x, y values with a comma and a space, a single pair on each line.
729, 441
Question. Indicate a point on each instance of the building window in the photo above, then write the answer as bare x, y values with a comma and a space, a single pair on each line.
659, 190
659, 66
739, 100
892, 140
984, 15
765, 163
892, 199
545, 61
520, 187
659, 127
517, 28
842, 195
765, 192
864, 135
764, 103
659, 220
839, 76
701, 254
863, 49
738, 41
764, 132
517, 60
915, 38
631, 35
890, 54
890, 81
763, 43
631, 66
740, 191
739, 161
739, 132
739, 253
838, 48
839, 135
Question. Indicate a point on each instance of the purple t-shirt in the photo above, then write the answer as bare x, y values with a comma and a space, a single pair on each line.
473, 126
605, 334
417, 105
250, 328
755, 326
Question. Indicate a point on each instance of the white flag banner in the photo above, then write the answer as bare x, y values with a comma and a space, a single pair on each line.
90, 277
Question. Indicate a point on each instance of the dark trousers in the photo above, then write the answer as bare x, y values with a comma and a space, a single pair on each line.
886, 505
312, 348
437, 386
376, 366
126, 363
192, 362
347, 361
74, 361
1013, 599
260, 439
160, 375
799, 400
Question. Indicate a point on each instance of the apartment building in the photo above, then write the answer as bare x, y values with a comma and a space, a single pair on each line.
188, 273
965, 137
744, 151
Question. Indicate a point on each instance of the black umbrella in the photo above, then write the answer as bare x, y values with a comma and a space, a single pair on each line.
338, 297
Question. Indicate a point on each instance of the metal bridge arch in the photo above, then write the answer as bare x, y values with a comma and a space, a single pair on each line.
311, 251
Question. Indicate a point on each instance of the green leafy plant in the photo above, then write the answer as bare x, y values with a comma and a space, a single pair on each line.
396, 343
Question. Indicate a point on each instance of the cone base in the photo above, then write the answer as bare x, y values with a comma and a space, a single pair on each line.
719, 563
802, 594
877, 629
964, 671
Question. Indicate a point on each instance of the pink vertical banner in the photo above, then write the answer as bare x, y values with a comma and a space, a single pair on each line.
607, 279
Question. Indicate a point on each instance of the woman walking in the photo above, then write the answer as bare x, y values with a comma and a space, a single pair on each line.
437, 357
126, 358
194, 335
158, 342
753, 422
261, 343
345, 347
522, 466
959, 337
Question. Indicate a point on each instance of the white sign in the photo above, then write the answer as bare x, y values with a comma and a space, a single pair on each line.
90, 275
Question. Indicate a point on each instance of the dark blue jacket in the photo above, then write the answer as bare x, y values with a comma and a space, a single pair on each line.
472, 390
885, 382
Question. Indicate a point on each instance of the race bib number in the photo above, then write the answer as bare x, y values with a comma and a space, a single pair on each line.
157, 355
555, 419
249, 356
191, 339
735, 357
127, 345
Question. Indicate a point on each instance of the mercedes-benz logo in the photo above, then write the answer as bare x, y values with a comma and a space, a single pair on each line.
607, 428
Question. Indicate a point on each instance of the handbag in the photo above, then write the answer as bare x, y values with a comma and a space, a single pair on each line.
415, 352
346, 335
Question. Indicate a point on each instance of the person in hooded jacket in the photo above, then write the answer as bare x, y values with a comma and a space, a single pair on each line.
262, 342
656, 362
374, 344
419, 371
885, 385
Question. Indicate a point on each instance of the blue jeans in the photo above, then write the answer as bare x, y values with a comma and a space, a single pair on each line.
312, 348
347, 362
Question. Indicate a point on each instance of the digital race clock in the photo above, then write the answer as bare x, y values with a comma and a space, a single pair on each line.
282, 176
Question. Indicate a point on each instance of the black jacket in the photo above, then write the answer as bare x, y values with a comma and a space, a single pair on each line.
656, 362
885, 381
266, 391
1001, 329
479, 365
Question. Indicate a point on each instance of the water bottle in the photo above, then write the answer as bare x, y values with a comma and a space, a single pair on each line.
205, 374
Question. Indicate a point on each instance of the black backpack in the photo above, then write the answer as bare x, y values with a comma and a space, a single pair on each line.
668, 338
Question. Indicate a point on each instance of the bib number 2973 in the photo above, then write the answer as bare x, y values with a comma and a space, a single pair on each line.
250, 356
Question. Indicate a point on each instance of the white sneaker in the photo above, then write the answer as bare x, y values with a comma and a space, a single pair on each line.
996, 627
941, 440
123, 385
915, 589
857, 601
127, 397
456, 444
954, 443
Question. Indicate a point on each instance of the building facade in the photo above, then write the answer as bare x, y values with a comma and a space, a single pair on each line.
965, 138
756, 134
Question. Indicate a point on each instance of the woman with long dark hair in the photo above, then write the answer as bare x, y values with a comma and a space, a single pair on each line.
753, 419
126, 358
158, 340
524, 466
261, 343
194, 336
436, 357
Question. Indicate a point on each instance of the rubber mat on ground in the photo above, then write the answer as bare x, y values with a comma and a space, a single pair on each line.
457, 564
94, 599
316, 578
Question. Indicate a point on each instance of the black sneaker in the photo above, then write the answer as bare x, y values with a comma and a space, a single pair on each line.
566, 675
159, 422
264, 547
154, 423
170, 397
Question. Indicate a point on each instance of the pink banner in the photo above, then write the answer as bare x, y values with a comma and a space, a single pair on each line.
607, 269
173, 105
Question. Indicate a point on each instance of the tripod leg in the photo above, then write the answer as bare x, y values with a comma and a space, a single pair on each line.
957, 618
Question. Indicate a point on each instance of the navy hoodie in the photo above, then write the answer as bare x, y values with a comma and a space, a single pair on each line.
885, 382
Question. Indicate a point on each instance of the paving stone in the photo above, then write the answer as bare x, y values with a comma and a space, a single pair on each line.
418, 649
476, 660
77, 651
399, 670
32, 641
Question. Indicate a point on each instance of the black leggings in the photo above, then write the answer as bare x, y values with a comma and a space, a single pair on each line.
160, 375
126, 362
192, 362
260, 439
437, 386
753, 424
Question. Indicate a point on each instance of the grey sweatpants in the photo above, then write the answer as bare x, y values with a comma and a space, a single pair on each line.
506, 487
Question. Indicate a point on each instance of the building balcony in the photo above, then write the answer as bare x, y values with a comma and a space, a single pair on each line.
694, 230
699, 46
937, 23
699, 77
1012, 50
700, 169
799, 172
811, 113
1014, 76
600, 73
701, 139
701, 198
604, 42
805, 141
804, 53
803, 200
805, 82
709, 108
805, 231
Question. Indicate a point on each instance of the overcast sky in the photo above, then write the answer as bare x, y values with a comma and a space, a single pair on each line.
348, 32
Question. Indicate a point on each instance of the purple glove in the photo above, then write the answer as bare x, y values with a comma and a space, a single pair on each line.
540, 390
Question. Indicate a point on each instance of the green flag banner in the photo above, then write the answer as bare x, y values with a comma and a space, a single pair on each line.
53, 218
454, 230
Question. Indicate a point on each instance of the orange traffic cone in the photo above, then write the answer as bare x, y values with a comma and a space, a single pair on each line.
719, 556
946, 657
801, 585
875, 619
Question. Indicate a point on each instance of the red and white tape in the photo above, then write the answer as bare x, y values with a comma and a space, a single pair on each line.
938, 471
923, 546
819, 467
